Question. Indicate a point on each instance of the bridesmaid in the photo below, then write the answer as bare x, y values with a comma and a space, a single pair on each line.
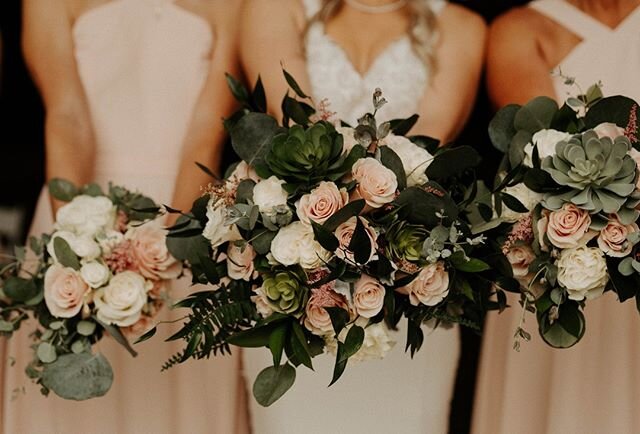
342, 50
592, 387
134, 92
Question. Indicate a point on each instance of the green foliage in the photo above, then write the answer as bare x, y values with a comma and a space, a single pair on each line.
64, 254
252, 135
273, 382
62, 189
78, 376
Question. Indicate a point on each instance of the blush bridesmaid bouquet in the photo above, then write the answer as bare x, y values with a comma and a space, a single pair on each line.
101, 272
569, 208
325, 236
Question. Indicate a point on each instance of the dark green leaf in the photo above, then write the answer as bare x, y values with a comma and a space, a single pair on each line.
208, 171
391, 161
360, 243
340, 366
401, 127
148, 335
343, 214
326, 238
298, 342
273, 382
352, 343
513, 203
62, 189
535, 115
115, 332
237, 89
262, 242
64, 254
339, 318
276, 342
294, 85
473, 265
615, 109
251, 137
244, 193
19, 289
453, 162
501, 129
258, 98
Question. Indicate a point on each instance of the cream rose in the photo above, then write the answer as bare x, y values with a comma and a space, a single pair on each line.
344, 233
582, 271
377, 185
217, 230
82, 245
262, 305
321, 203
608, 129
108, 240
545, 141
414, 158
430, 287
240, 262
150, 253
269, 195
64, 291
296, 244
376, 345
86, 215
317, 319
613, 238
368, 296
243, 171
520, 257
122, 300
526, 196
569, 227
95, 274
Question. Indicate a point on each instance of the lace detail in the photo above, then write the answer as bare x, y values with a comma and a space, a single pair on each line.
398, 71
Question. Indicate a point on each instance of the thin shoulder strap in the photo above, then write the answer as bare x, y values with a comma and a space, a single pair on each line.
437, 5
572, 18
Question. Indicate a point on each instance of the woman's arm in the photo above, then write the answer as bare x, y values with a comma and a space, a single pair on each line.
271, 38
205, 137
516, 68
48, 49
450, 95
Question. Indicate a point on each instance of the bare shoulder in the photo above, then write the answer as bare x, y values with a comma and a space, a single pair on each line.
275, 10
458, 17
522, 24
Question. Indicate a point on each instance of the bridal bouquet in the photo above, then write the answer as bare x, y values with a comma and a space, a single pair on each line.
325, 236
572, 184
99, 272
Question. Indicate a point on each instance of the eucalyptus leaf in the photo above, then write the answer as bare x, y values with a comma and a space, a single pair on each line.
86, 328
251, 137
62, 189
46, 352
78, 376
535, 115
501, 129
273, 382
19, 289
64, 254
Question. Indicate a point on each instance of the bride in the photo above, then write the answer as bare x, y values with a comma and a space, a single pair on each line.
134, 90
342, 50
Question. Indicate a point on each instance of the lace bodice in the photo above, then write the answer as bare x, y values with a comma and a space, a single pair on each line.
398, 71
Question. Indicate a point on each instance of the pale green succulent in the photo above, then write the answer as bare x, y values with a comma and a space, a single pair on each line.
599, 172
285, 292
405, 241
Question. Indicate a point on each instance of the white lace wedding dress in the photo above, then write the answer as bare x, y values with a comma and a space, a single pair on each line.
396, 394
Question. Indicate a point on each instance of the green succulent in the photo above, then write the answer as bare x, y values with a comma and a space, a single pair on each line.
598, 172
285, 292
405, 241
308, 155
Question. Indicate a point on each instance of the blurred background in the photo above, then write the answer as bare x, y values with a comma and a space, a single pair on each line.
22, 163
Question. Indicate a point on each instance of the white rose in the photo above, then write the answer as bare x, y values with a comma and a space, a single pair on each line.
269, 195
608, 129
296, 244
414, 158
240, 262
217, 230
348, 138
526, 196
83, 246
262, 305
545, 141
583, 272
376, 345
95, 274
122, 300
86, 215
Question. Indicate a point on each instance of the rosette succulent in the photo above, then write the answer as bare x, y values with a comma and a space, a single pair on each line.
309, 155
285, 292
598, 172
405, 241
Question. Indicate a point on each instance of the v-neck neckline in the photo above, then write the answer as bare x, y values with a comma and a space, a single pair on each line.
620, 26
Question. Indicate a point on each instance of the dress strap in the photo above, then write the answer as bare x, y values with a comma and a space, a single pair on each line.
572, 18
437, 6
311, 7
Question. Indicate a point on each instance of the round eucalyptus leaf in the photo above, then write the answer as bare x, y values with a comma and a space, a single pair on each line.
46, 352
56, 325
78, 347
86, 328
6, 326
79, 376
272, 382
567, 330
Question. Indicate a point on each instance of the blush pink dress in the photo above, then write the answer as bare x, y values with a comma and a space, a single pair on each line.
142, 64
593, 387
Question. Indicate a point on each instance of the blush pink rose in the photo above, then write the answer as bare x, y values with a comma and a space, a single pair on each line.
430, 287
344, 232
64, 291
317, 319
569, 227
368, 296
613, 238
150, 254
323, 202
520, 257
240, 262
377, 185
608, 129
